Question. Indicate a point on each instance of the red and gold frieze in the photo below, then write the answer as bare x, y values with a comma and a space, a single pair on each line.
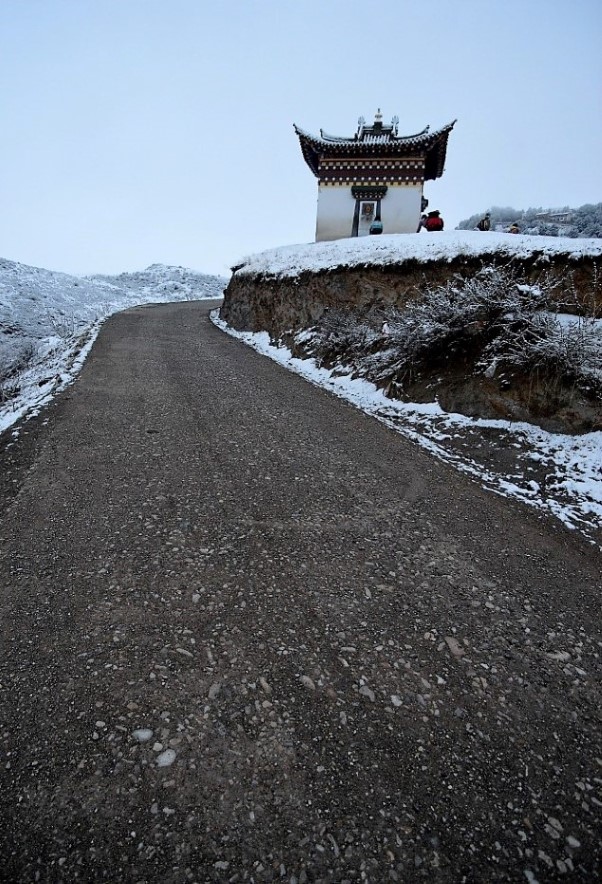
385, 171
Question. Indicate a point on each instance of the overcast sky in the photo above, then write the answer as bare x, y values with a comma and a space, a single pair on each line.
145, 131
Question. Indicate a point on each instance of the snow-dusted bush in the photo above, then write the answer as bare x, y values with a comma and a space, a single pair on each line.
495, 321
464, 316
16, 354
64, 325
567, 347
341, 329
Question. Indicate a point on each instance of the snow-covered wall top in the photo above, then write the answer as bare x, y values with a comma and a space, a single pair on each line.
291, 261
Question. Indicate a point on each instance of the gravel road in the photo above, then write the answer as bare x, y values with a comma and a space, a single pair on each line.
250, 634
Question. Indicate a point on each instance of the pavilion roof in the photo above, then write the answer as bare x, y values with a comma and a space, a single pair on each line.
378, 140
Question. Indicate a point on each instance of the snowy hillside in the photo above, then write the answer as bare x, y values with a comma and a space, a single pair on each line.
171, 283
48, 321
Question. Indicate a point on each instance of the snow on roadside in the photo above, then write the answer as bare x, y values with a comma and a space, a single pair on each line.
48, 376
571, 465
49, 321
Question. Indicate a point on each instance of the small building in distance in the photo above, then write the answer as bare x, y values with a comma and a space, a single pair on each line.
374, 179
562, 216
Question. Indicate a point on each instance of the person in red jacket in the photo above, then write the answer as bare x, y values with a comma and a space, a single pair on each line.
434, 221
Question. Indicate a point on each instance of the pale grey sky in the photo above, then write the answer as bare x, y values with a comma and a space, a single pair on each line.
143, 131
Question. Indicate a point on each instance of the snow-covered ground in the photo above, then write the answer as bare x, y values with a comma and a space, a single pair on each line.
49, 320
290, 261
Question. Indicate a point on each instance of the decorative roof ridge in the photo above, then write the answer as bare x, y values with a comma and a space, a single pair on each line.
432, 144
418, 134
424, 134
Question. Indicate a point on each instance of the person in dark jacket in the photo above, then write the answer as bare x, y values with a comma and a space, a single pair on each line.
421, 223
485, 223
434, 221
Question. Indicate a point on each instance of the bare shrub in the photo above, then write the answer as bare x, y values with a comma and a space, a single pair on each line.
9, 390
15, 357
63, 324
496, 320
572, 351
342, 333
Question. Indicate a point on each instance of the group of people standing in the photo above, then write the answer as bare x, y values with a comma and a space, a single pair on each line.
485, 224
433, 222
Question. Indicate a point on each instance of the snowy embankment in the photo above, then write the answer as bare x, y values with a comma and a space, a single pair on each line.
48, 322
556, 473
379, 251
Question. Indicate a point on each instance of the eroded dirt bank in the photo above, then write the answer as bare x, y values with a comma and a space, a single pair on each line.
278, 305
322, 301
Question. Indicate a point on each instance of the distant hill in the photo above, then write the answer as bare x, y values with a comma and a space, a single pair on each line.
41, 310
585, 221
184, 284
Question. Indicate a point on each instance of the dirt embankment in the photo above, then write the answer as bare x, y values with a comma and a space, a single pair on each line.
278, 305
312, 300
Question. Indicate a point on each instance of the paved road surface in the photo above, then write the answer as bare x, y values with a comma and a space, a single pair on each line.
250, 634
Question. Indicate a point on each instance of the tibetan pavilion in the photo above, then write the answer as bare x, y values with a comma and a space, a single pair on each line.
373, 181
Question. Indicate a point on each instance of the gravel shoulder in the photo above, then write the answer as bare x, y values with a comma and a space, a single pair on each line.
251, 634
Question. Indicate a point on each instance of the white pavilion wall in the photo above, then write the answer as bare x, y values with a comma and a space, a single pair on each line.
335, 213
400, 210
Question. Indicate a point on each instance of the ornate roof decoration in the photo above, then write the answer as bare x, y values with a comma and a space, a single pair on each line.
378, 140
